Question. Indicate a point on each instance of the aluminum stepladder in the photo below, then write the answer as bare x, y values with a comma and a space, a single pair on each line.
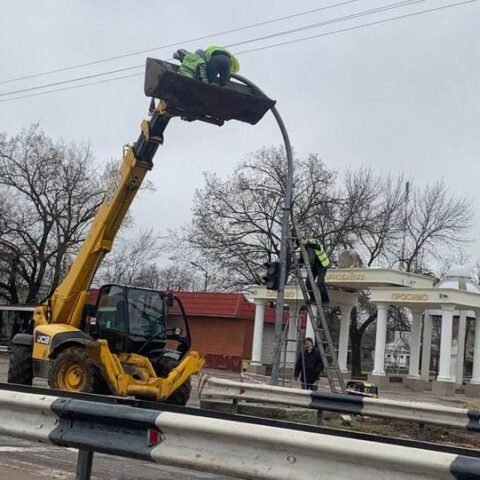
286, 368
317, 317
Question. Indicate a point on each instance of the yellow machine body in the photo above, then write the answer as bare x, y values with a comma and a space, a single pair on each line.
126, 374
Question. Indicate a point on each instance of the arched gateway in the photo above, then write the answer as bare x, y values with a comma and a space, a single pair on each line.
455, 296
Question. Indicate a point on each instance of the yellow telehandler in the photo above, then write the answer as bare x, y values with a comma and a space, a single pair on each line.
127, 345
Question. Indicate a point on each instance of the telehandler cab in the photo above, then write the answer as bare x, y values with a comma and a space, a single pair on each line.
129, 345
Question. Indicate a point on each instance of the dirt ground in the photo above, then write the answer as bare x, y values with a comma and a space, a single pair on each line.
408, 430
393, 428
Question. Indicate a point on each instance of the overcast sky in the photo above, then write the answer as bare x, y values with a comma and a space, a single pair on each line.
400, 96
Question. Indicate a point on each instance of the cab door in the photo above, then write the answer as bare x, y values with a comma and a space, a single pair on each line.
111, 315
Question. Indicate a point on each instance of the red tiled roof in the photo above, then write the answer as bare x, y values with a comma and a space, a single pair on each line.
212, 304
228, 305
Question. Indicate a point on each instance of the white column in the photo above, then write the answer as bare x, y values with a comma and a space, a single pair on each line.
343, 337
380, 340
426, 346
476, 351
446, 344
415, 332
462, 329
309, 332
258, 332
291, 355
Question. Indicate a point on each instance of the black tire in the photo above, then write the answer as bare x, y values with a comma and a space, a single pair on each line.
181, 395
73, 370
20, 369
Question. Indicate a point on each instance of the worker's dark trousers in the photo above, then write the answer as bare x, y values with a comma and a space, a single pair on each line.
319, 272
218, 68
309, 386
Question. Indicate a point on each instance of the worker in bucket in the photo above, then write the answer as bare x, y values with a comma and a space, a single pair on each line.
220, 65
212, 65
193, 65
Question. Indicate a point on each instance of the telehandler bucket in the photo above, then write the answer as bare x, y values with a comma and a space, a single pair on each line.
194, 100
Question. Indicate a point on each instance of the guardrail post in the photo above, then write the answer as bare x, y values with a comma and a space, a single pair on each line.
422, 432
84, 464
235, 405
319, 417
235, 400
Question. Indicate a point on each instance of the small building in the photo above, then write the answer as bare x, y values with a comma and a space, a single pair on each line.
221, 326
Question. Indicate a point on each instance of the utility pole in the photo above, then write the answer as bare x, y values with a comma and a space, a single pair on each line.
205, 272
405, 222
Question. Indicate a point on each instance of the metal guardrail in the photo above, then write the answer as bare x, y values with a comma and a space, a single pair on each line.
422, 413
215, 445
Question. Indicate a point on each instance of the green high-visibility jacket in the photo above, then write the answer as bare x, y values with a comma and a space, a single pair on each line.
213, 48
190, 64
323, 257
320, 253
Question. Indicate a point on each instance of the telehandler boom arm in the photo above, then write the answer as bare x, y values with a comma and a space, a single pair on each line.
177, 96
67, 302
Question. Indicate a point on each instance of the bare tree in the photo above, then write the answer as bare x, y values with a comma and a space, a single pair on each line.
52, 192
237, 222
436, 219
130, 259
361, 319
134, 261
177, 278
380, 225
341, 209
236, 225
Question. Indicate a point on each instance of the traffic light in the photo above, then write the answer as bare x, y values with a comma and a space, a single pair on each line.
272, 278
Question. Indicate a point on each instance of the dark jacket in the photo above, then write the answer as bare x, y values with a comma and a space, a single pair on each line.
311, 252
313, 366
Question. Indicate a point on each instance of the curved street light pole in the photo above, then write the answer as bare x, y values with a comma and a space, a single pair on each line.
287, 206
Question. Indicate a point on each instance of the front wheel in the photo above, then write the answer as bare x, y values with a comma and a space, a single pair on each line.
73, 371
181, 395
20, 368
163, 366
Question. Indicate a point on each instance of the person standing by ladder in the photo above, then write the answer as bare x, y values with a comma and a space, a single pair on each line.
308, 366
319, 263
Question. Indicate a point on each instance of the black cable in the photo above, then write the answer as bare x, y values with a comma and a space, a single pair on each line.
71, 87
62, 82
356, 27
363, 13
264, 37
365, 25
170, 45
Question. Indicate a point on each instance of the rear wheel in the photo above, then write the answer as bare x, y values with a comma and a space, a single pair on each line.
20, 369
73, 371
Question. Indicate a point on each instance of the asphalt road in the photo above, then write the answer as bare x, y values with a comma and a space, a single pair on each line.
24, 460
